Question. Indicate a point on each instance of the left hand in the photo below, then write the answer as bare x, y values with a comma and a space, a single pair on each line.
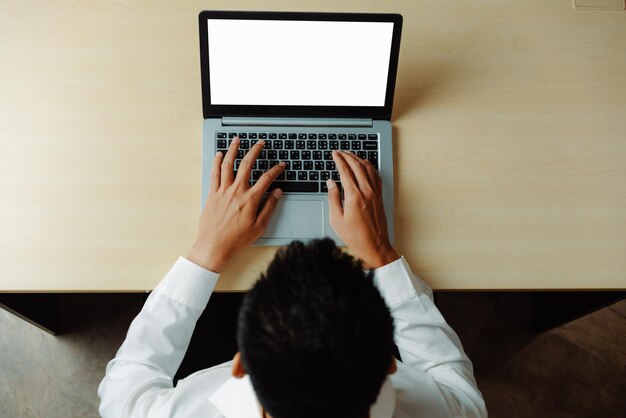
234, 216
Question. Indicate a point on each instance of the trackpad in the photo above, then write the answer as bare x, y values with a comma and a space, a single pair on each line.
296, 219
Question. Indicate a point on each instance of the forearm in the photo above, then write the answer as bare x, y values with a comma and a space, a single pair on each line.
157, 338
425, 341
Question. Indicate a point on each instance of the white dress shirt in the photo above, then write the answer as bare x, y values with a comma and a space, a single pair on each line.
434, 378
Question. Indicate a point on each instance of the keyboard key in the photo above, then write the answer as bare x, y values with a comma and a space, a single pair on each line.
333, 144
273, 163
221, 144
303, 176
321, 136
362, 154
305, 155
253, 142
296, 165
317, 155
319, 165
332, 136
311, 144
335, 175
284, 155
351, 136
301, 136
272, 154
252, 135
373, 136
312, 136
263, 154
328, 155
273, 135
232, 134
372, 157
355, 145
243, 135
240, 154
289, 144
324, 175
291, 175
322, 145
281, 176
345, 145
330, 165
362, 136
294, 155
293, 136
308, 165
314, 176
277, 144
221, 134
256, 174
370, 145
342, 136
324, 187
300, 144
282, 136
244, 144
296, 186
263, 165
237, 164
262, 136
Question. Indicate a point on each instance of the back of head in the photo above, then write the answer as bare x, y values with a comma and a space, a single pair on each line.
315, 335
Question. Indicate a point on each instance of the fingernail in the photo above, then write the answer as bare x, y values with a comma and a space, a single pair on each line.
261, 141
330, 184
219, 154
236, 139
282, 164
277, 193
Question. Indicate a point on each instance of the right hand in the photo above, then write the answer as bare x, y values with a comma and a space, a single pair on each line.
360, 222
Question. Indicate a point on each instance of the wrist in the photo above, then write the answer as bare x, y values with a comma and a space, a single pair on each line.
207, 258
382, 258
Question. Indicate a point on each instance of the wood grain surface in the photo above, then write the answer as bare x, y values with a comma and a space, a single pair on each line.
509, 136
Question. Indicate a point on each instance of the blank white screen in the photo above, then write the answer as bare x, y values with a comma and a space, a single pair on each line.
298, 63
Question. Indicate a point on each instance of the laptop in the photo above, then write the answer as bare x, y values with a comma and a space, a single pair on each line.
306, 84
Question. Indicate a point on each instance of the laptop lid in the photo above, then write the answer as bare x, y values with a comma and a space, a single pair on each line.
292, 64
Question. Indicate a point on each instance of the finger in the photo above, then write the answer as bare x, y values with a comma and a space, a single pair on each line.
268, 208
216, 172
245, 167
334, 200
267, 179
228, 162
373, 174
345, 173
359, 170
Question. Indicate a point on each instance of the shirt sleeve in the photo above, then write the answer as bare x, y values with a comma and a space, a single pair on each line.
427, 344
140, 377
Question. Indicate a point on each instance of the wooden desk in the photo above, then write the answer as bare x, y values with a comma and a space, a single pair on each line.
510, 130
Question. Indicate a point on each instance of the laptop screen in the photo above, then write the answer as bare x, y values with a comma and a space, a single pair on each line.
298, 64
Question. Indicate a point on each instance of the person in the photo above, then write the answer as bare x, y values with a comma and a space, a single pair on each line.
315, 334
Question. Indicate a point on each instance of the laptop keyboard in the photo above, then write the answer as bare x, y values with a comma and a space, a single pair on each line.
308, 155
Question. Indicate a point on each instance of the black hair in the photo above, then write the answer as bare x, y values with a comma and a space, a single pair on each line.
315, 335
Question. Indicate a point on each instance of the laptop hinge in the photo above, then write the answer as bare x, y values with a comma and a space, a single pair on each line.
335, 122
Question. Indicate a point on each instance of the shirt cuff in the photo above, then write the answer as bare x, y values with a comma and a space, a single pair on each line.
397, 283
188, 283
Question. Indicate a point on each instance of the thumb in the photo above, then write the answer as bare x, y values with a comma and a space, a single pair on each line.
268, 207
334, 200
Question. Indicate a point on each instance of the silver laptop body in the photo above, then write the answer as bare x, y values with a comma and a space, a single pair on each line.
246, 98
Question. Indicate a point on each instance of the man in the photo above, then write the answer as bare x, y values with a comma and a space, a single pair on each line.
316, 332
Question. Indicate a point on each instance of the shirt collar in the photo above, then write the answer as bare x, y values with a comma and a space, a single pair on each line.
236, 399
